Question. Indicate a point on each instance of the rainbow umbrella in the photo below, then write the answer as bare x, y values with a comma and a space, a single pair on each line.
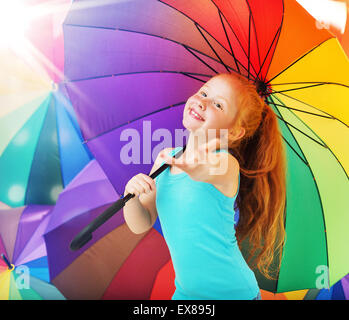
150, 56
24, 271
117, 264
41, 147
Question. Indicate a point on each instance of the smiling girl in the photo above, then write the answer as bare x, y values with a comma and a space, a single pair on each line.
196, 207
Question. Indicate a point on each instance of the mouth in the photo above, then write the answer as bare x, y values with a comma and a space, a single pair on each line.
195, 115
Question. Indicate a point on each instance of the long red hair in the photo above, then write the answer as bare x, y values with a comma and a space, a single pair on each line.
262, 195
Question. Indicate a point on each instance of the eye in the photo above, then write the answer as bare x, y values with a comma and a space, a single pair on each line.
203, 93
218, 105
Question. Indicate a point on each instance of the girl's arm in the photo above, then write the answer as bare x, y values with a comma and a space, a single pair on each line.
140, 212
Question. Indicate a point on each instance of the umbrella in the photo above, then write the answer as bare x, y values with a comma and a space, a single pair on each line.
150, 56
24, 271
41, 148
116, 264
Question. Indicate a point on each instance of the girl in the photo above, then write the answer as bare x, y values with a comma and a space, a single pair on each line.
196, 207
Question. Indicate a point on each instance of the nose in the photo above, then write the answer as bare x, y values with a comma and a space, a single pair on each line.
203, 104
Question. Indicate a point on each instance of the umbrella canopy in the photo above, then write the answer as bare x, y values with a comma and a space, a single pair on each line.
150, 56
24, 271
41, 148
116, 264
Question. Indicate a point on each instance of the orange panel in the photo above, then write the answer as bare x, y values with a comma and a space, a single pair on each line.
299, 34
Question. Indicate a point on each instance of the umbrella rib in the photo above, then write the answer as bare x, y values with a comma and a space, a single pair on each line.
251, 20
298, 60
249, 43
291, 125
325, 145
196, 25
308, 112
255, 31
242, 48
197, 57
305, 87
299, 156
226, 35
151, 35
308, 82
138, 72
278, 38
315, 183
190, 76
133, 120
203, 28
277, 35
309, 105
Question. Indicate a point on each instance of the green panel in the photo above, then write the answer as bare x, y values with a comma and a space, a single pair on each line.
14, 293
46, 290
11, 123
16, 160
45, 180
305, 247
333, 188
24, 287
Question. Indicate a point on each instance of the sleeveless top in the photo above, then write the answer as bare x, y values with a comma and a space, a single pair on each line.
197, 222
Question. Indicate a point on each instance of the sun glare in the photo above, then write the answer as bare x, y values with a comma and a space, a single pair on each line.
14, 20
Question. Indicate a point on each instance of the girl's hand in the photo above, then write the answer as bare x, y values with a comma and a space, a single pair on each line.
198, 164
138, 184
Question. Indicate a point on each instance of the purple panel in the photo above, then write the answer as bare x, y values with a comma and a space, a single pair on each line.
27, 237
103, 52
134, 16
345, 286
58, 240
111, 102
9, 220
109, 148
81, 199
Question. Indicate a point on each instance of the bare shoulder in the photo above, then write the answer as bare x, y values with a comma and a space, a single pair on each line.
227, 182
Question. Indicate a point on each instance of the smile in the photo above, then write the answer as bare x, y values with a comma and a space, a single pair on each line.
195, 115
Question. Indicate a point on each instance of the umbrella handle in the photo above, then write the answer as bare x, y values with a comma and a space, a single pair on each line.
85, 235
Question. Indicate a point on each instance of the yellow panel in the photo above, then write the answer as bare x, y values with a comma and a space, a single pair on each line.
329, 131
326, 63
296, 295
5, 277
20, 82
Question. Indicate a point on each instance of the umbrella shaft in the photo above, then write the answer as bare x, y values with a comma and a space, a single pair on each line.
6, 261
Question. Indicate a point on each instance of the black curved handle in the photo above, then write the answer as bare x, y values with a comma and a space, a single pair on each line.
85, 235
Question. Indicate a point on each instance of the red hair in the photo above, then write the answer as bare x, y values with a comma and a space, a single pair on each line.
262, 195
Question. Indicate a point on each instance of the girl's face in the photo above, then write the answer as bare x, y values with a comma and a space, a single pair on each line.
212, 107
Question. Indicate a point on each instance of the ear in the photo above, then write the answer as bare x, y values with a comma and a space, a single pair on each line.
237, 134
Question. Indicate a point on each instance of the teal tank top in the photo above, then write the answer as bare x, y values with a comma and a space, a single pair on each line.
197, 222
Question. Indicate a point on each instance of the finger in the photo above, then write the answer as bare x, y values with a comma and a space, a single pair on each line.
150, 181
172, 161
133, 190
208, 147
143, 186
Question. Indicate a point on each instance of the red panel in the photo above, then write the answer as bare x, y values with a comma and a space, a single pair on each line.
164, 287
136, 277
